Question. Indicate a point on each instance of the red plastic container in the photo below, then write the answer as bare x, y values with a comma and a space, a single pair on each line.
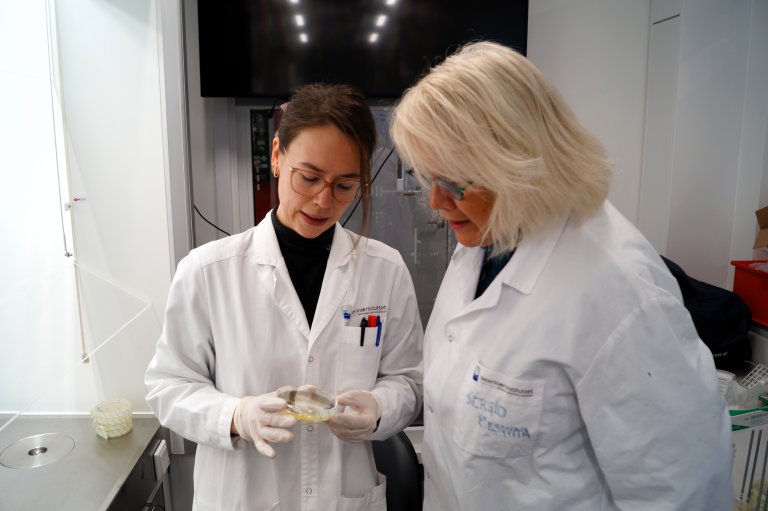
751, 285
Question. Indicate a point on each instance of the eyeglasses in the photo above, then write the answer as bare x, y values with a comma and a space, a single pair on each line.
309, 184
455, 191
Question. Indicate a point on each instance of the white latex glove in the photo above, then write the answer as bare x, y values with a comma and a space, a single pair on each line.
261, 419
358, 420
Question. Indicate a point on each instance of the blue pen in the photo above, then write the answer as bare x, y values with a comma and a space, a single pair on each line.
378, 329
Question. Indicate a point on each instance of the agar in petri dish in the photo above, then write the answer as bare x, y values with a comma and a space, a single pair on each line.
308, 404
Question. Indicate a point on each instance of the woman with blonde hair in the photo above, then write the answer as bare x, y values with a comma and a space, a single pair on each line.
562, 370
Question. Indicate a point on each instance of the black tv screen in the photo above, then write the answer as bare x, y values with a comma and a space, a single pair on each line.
265, 48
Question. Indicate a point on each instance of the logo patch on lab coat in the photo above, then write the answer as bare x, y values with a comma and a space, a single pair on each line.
507, 389
360, 312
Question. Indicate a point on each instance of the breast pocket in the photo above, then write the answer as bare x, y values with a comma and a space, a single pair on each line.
497, 416
359, 365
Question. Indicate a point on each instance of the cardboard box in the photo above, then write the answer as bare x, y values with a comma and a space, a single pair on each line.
762, 221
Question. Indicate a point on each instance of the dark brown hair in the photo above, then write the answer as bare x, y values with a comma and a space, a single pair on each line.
344, 107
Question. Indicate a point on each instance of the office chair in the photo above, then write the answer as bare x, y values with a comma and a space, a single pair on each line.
396, 459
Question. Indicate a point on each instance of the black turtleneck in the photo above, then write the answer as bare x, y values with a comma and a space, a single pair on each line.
306, 260
492, 266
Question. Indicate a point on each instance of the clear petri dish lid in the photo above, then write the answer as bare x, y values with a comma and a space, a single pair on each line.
308, 403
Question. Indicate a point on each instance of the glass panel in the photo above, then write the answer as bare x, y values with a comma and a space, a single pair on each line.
401, 218
39, 338
58, 370
77, 330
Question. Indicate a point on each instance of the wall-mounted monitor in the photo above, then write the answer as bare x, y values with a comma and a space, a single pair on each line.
265, 48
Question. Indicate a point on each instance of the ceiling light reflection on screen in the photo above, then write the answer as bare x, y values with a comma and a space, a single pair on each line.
373, 37
380, 20
303, 37
299, 20
389, 2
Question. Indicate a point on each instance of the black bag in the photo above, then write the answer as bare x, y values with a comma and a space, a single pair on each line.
722, 319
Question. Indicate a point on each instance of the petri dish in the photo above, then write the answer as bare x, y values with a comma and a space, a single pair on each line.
308, 403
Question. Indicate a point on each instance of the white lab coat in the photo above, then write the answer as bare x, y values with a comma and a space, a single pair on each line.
234, 326
575, 382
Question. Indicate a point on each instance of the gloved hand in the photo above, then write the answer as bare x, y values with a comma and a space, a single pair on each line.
359, 418
260, 420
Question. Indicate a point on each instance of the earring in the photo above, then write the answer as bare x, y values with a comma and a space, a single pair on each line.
274, 170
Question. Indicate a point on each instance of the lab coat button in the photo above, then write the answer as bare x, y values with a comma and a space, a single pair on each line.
310, 428
450, 338
309, 491
311, 359
429, 409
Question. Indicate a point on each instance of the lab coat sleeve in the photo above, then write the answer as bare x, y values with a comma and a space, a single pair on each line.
400, 377
180, 378
654, 414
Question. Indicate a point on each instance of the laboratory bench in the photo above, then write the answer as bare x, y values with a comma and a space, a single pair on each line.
89, 472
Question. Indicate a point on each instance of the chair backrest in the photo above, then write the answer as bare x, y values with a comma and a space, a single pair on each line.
396, 458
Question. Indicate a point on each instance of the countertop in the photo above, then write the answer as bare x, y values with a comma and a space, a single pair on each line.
88, 477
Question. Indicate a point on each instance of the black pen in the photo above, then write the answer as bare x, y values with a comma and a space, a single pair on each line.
363, 326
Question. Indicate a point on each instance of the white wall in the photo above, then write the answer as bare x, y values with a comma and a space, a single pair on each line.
752, 181
692, 177
719, 137
111, 92
595, 52
112, 105
114, 124
661, 105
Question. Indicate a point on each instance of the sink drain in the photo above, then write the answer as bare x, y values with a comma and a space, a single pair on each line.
36, 451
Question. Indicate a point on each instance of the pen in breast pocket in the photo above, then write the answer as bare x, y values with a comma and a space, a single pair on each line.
378, 329
346, 314
363, 326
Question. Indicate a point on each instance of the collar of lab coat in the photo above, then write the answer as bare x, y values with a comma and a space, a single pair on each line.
266, 250
532, 254
521, 272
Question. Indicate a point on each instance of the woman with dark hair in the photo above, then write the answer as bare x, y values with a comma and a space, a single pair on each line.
288, 302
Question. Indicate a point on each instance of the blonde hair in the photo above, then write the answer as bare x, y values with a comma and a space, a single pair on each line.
488, 116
